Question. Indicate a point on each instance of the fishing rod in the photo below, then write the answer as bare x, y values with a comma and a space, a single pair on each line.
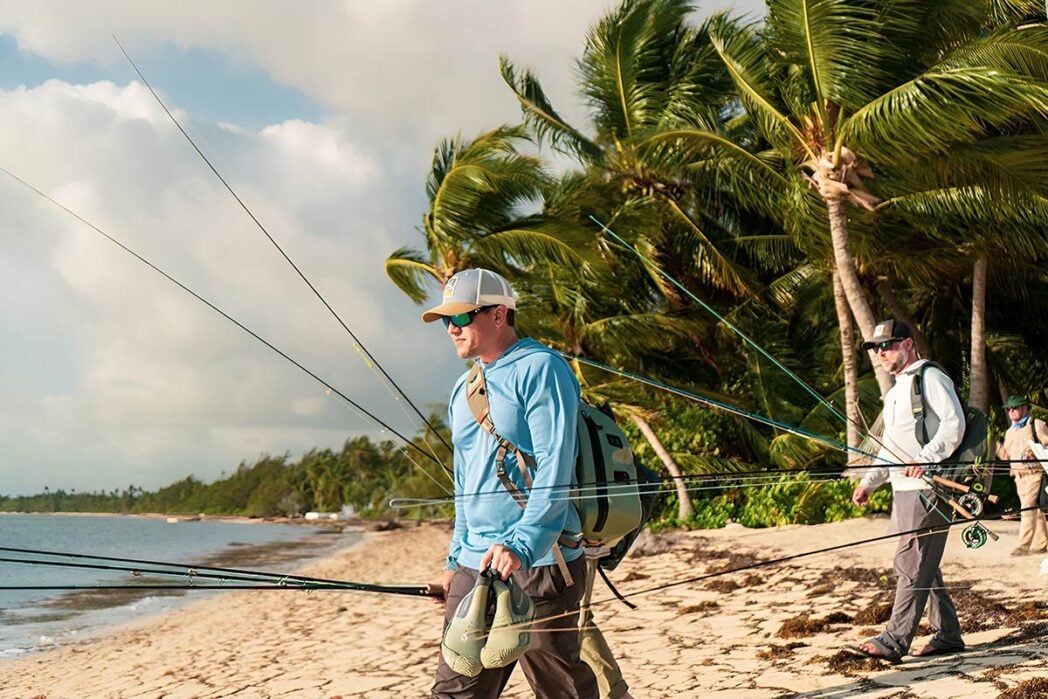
225, 315
237, 579
705, 482
358, 344
410, 591
139, 567
917, 532
356, 405
932, 529
609, 492
756, 417
367, 413
665, 275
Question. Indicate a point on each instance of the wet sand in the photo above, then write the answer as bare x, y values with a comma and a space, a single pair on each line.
767, 632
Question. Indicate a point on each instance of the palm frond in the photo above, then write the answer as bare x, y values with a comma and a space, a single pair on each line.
745, 57
698, 87
709, 263
705, 464
1005, 163
479, 185
623, 69
540, 115
412, 273
939, 109
784, 289
528, 247
640, 333
753, 179
977, 208
796, 452
1020, 50
837, 43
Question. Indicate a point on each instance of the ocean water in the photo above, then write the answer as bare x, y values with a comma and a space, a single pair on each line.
36, 620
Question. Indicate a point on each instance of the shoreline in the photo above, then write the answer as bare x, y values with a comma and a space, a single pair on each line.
774, 631
76, 617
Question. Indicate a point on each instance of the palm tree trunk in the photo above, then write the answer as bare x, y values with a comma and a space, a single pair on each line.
851, 367
919, 339
685, 509
979, 383
845, 266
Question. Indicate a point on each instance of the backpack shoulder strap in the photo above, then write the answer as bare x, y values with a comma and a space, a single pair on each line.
917, 405
477, 398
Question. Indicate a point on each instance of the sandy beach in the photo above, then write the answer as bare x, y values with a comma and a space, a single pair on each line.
770, 632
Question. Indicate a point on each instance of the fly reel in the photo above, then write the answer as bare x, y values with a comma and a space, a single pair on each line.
975, 535
972, 503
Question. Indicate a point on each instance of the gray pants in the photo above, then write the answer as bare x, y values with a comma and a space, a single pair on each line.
552, 665
920, 581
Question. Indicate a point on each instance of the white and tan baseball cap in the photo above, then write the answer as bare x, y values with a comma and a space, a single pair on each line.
469, 290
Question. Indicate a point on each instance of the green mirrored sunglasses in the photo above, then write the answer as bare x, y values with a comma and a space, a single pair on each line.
461, 320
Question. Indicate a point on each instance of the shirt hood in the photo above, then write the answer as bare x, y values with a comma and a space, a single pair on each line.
524, 347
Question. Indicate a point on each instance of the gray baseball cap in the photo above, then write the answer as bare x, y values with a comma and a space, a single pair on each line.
469, 290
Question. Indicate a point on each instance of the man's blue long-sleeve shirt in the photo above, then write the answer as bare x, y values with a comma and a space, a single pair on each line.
534, 398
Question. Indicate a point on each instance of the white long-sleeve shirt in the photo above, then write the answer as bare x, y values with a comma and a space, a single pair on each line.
899, 441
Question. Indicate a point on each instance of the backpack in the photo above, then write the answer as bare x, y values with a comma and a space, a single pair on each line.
966, 465
614, 494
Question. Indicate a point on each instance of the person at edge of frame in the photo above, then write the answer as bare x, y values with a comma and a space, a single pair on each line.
533, 397
903, 461
1029, 478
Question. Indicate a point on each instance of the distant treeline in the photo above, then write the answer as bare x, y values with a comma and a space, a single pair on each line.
366, 475
362, 474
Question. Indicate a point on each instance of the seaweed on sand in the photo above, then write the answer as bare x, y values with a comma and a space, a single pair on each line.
1036, 688
803, 625
847, 663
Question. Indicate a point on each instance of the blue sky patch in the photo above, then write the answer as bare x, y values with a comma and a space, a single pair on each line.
203, 82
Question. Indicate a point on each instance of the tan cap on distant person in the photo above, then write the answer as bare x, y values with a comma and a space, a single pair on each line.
469, 290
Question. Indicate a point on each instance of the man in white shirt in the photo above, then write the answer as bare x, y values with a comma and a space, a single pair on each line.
903, 459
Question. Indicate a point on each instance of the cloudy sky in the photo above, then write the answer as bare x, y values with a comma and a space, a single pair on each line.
323, 117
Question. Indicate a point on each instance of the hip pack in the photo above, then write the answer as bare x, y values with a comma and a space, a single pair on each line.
613, 493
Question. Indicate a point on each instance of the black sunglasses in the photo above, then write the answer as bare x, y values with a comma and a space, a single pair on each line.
461, 320
887, 344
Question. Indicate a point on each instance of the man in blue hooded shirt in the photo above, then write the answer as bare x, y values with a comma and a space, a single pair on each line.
533, 398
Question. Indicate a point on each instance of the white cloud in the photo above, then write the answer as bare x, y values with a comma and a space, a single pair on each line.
162, 385
319, 148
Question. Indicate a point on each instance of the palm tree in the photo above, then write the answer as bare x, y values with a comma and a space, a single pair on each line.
842, 90
990, 237
645, 71
667, 136
477, 191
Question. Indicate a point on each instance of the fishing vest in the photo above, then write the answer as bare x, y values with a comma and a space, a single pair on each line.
966, 465
613, 493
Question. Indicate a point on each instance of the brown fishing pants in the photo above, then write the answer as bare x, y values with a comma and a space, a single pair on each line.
552, 665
